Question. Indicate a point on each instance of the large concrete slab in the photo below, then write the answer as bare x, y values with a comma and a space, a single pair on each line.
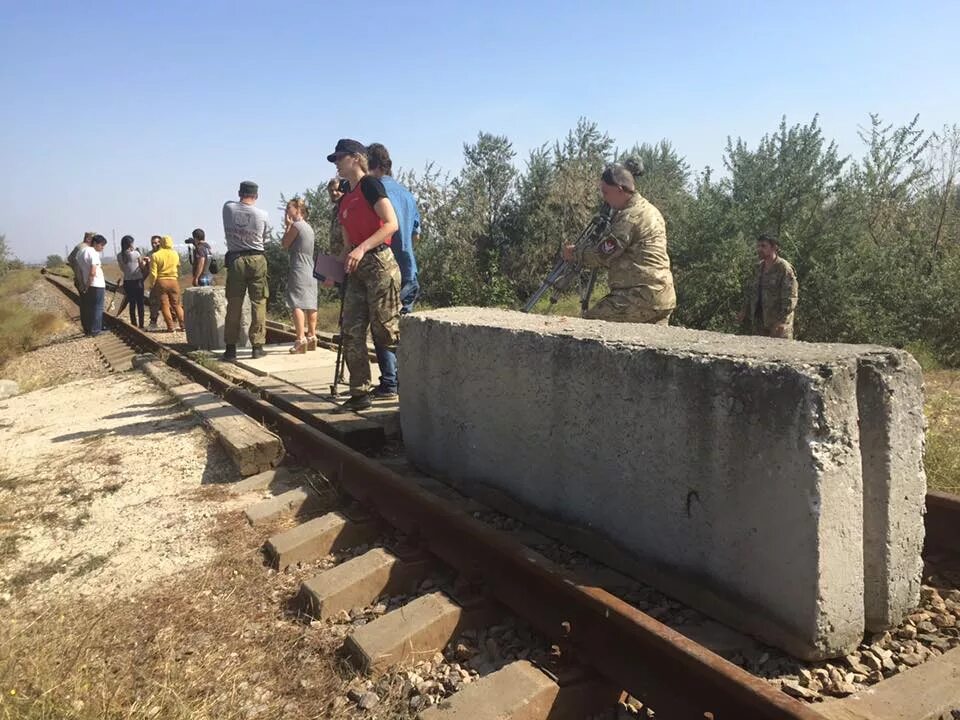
729, 464
890, 400
204, 312
298, 501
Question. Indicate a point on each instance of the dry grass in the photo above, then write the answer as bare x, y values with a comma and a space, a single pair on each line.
942, 458
217, 642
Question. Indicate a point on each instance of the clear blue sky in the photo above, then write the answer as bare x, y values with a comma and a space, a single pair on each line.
144, 117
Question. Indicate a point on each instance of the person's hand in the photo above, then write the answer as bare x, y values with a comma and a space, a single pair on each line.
568, 252
740, 316
353, 259
328, 282
195, 282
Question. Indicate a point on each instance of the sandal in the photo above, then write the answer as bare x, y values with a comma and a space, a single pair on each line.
299, 347
311, 342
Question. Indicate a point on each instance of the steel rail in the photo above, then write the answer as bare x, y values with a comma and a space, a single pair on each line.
669, 672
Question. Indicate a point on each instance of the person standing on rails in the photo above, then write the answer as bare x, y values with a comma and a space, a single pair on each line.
165, 273
79, 279
91, 269
408, 218
372, 297
131, 265
244, 227
154, 297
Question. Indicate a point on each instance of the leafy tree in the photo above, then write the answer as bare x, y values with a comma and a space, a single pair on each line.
54, 261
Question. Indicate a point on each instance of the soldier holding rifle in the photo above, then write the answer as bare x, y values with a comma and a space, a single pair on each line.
634, 252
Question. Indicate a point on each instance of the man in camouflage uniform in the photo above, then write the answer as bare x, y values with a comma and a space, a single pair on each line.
634, 252
770, 297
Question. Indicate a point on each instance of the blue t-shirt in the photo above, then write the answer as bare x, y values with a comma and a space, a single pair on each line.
408, 218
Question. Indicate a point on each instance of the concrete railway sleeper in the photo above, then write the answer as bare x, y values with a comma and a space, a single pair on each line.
592, 628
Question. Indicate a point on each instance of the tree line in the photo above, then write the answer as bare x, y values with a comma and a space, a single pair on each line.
875, 238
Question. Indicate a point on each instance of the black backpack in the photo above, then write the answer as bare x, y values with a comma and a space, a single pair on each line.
214, 266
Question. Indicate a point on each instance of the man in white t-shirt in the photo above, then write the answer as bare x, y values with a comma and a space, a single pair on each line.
90, 270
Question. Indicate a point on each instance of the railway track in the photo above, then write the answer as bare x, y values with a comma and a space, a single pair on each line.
602, 645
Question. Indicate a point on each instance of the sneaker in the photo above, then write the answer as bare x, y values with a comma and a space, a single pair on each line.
258, 352
357, 402
385, 392
152, 327
230, 354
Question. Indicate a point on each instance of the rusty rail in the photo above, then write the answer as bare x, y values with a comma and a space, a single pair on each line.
674, 675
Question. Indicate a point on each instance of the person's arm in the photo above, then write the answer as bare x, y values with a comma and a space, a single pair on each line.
788, 295
154, 269
198, 267
289, 236
94, 264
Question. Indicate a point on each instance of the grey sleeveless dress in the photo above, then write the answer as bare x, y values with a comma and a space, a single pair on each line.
301, 284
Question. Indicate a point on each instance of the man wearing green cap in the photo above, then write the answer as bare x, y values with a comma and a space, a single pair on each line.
634, 253
244, 227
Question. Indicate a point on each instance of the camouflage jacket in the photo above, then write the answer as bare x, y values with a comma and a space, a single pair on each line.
776, 292
634, 252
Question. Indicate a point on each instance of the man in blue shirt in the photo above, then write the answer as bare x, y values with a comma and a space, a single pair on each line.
405, 206
408, 217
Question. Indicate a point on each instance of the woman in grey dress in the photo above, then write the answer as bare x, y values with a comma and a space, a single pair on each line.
301, 285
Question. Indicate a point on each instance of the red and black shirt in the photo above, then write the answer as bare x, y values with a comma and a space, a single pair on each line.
356, 212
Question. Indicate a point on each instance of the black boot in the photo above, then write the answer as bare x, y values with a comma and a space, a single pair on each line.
230, 354
258, 352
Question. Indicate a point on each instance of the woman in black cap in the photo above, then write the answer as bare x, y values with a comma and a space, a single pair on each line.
372, 297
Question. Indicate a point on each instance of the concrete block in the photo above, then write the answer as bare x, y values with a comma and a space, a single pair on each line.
317, 538
276, 480
204, 311
298, 501
250, 446
410, 633
519, 691
359, 581
890, 400
728, 467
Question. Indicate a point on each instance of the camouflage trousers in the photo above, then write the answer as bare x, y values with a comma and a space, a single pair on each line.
247, 273
786, 333
372, 300
624, 306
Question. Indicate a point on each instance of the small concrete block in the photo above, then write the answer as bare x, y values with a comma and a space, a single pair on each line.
283, 478
415, 631
317, 538
517, 691
204, 312
359, 581
293, 502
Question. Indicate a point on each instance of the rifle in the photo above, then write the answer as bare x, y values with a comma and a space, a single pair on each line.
338, 366
563, 274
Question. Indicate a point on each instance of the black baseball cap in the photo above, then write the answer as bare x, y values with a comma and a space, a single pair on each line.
346, 146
